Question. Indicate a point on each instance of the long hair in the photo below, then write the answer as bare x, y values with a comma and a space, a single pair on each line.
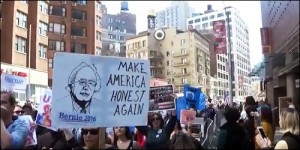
289, 121
182, 141
127, 134
159, 117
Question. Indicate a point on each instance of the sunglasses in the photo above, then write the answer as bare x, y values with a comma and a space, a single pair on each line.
156, 119
91, 131
19, 112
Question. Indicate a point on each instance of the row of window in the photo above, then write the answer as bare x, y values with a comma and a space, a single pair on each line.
206, 18
21, 44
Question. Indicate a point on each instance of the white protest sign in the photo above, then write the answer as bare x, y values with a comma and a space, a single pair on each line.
12, 82
95, 91
44, 110
31, 138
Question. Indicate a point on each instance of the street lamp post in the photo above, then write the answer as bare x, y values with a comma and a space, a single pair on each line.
229, 59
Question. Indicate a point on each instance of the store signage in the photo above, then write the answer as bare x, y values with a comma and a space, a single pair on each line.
14, 72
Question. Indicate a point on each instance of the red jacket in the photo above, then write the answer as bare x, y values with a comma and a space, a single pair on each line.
140, 139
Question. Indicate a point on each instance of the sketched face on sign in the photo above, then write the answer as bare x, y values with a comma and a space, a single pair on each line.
84, 81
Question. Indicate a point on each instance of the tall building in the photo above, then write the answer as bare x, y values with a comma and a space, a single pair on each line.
116, 27
177, 56
282, 62
174, 16
239, 48
24, 53
74, 26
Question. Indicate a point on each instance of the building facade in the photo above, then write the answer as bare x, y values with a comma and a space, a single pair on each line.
75, 27
174, 16
282, 63
22, 50
116, 27
239, 49
177, 56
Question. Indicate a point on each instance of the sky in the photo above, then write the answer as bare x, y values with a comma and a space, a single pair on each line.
250, 12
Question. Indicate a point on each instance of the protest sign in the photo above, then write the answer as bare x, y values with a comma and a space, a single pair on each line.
187, 116
95, 91
12, 83
161, 98
31, 138
44, 110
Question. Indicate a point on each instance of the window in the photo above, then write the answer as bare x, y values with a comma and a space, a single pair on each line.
191, 22
81, 2
78, 31
212, 17
50, 63
21, 19
125, 31
43, 7
197, 20
78, 14
184, 80
57, 11
204, 18
183, 60
78, 48
98, 36
43, 28
42, 51
98, 21
182, 42
98, 51
56, 45
183, 51
20, 44
144, 43
57, 28
23, 1
220, 15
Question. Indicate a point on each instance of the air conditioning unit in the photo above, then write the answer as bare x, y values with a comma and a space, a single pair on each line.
73, 37
64, 2
73, 20
63, 19
74, 4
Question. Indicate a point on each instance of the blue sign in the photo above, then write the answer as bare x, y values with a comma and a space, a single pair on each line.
193, 98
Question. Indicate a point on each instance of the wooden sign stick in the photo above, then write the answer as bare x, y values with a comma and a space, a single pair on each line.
102, 138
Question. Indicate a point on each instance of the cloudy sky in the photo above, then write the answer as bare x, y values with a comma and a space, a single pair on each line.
249, 10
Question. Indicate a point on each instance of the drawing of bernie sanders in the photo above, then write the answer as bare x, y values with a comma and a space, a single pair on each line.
84, 81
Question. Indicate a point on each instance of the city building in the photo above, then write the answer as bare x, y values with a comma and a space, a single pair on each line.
116, 27
257, 76
180, 57
239, 49
282, 60
174, 16
24, 53
74, 26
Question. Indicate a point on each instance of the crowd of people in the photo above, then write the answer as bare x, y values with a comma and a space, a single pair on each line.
237, 130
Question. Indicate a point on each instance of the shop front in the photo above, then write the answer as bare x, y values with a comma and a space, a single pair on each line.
38, 81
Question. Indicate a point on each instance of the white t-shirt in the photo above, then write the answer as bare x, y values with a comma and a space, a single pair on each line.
292, 106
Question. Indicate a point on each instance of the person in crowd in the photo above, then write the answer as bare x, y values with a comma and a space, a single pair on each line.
28, 110
90, 140
61, 139
289, 124
250, 125
210, 111
13, 131
267, 122
290, 104
182, 141
18, 111
123, 139
220, 119
177, 128
158, 135
231, 134
140, 138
